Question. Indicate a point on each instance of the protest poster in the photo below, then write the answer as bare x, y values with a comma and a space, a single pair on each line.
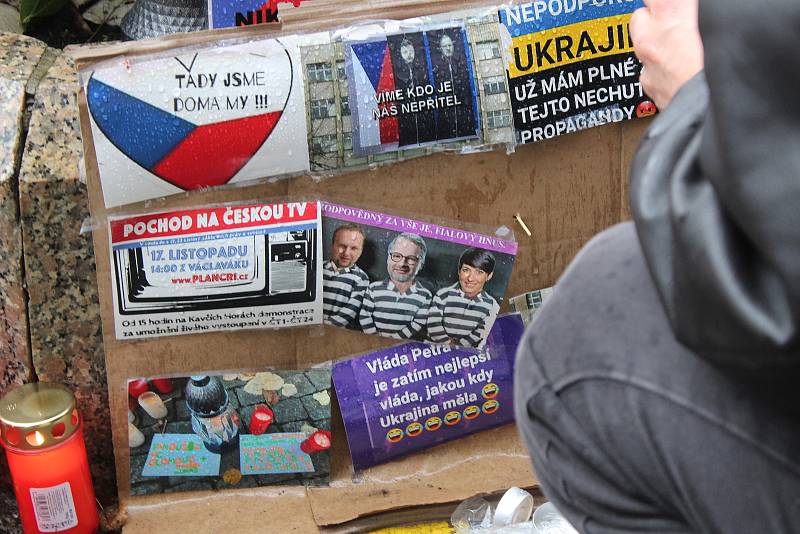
197, 118
217, 268
413, 396
408, 279
236, 430
412, 89
571, 66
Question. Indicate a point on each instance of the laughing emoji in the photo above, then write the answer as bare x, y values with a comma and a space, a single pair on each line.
394, 435
490, 391
471, 412
414, 429
433, 423
452, 418
490, 406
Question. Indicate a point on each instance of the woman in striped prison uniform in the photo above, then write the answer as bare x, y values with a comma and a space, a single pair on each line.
463, 313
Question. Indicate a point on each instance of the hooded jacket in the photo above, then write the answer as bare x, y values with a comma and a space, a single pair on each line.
715, 192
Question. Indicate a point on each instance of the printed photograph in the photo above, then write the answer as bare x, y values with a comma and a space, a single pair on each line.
412, 90
222, 431
411, 280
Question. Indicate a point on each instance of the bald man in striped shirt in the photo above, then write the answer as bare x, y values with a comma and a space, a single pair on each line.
398, 307
462, 314
344, 282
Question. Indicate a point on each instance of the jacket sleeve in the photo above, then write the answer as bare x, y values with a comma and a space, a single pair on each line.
715, 191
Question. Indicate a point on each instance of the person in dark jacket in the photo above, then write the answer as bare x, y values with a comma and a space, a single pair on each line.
451, 69
410, 69
659, 388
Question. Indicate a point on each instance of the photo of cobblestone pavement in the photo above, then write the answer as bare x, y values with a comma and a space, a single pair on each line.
300, 401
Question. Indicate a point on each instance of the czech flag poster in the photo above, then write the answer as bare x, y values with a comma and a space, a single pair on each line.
412, 90
197, 118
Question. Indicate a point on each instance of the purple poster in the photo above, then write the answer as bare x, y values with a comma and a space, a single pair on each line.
413, 396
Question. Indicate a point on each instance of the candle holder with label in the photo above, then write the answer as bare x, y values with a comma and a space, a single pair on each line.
213, 418
42, 433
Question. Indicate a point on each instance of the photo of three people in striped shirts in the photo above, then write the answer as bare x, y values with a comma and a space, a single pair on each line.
401, 306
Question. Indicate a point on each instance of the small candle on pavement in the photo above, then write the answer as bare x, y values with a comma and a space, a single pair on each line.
153, 405
317, 442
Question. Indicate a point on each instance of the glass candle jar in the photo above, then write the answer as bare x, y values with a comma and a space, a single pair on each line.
42, 433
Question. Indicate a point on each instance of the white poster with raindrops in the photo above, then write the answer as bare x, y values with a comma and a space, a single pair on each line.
197, 118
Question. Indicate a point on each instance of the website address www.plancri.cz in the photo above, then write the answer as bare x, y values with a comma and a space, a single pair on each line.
209, 278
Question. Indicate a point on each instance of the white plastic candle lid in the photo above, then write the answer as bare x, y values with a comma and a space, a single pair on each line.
515, 507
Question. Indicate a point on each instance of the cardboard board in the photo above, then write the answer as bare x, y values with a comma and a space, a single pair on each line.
566, 190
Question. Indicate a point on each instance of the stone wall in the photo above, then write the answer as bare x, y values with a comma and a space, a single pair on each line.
50, 326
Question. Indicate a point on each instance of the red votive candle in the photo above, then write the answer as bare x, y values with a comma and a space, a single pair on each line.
137, 387
261, 419
162, 385
42, 433
317, 442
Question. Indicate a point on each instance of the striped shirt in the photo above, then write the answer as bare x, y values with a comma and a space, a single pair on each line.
455, 316
342, 293
387, 312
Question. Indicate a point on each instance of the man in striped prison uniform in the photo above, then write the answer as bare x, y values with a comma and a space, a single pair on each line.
398, 307
463, 313
344, 282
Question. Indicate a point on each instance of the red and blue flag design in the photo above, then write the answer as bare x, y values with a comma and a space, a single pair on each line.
198, 119
372, 61
185, 154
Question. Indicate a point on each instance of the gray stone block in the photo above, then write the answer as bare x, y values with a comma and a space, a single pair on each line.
299, 380
271, 480
248, 399
322, 424
290, 410
322, 463
137, 464
321, 378
293, 426
179, 427
315, 409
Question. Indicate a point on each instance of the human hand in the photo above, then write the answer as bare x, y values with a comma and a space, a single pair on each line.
667, 41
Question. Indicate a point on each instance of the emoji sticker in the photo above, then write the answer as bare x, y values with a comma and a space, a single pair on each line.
452, 418
394, 435
490, 406
490, 391
414, 429
471, 412
646, 109
433, 423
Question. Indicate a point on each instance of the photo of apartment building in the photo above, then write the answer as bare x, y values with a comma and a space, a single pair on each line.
329, 121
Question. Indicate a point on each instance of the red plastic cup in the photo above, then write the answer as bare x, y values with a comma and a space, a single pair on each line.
317, 442
261, 419
137, 387
163, 385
